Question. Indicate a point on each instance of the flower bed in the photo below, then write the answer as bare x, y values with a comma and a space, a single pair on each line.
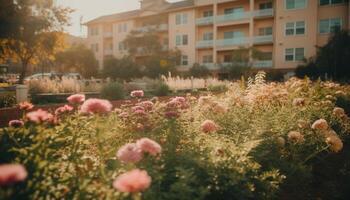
260, 141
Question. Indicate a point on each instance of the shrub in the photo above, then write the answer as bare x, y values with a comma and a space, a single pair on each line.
217, 88
199, 71
7, 100
160, 89
113, 91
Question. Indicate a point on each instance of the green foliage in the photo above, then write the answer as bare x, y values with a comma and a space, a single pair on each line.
113, 91
124, 68
160, 89
7, 100
199, 71
217, 88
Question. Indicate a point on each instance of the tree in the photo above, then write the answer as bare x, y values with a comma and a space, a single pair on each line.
124, 68
150, 53
198, 71
332, 60
34, 32
78, 59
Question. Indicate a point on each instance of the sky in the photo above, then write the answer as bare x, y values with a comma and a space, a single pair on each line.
90, 9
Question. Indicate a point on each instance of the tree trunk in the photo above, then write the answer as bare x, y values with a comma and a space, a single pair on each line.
23, 72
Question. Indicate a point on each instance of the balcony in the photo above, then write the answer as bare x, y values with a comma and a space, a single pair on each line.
263, 13
264, 39
204, 21
107, 34
238, 64
204, 44
159, 27
233, 42
233, 17
262, 63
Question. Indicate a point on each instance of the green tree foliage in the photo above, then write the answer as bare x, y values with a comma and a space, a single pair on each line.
124, 68
78, 59
332, 59
30, 30
198, 71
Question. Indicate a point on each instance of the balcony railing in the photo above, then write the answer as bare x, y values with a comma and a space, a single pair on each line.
233, 17
263, 39
108, 34
204, 44
160, 27
262, 63
205, 21
263, 13
233, 42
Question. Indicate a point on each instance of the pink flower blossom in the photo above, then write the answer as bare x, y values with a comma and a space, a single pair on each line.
39, 116
209, 126
16, 123
133, 181
135, 108
130, 153
320, 124
63, 109
177, 102
123, 115
140, 112
25, 105
92, 106
12, 173
137, 93
149, 146
76, 98
148, 105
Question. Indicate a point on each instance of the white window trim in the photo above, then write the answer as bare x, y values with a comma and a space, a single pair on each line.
329, 25
294, 54
181, 40
187, 59
181, 19
285, 6
295, 29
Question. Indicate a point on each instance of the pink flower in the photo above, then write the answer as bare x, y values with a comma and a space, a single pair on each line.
149, 146
76, 98
129, 153
63, 109
123, 115
39, 116
96, 106
16, 123
133, 181
137, 93
320, 124
209, 126
135, 108
140, 112
177, 102
12, 173
148, 105
25, 105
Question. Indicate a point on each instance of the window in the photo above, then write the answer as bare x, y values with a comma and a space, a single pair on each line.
233, 34
294, 54
295, 28
331, 2
228, 11
265, 31
184, 60
267, 5
295, 4
208, 36
122, 46
122, 28
330, 25
181, 18
181, 40
208, 13
208, 59
94, 31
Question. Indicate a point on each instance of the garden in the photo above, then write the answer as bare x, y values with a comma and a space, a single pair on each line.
256, 140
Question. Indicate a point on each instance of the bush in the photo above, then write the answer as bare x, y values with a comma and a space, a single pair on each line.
7, 100
113, 91
160, 89
217, 88
199, 71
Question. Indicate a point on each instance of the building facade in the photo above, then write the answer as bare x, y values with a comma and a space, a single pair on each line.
209, 31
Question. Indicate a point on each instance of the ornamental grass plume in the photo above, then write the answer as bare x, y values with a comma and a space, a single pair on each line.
12, 173
339, 112
137, 93
209, 126
39, 116
295, 137
133, 181
335, 143
149, 146
25, 105
76, 99
16, 123
130, 153
299, 102
94, 106
320, 124
63, 109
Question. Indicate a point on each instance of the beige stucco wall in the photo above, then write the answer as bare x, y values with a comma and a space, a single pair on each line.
308, 40
97, 39
188, 29
120, 37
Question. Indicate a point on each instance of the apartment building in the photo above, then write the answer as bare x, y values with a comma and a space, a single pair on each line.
209, 31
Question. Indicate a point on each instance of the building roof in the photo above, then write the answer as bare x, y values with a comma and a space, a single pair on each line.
136, 13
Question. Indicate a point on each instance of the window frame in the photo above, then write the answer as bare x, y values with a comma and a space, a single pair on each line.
289, 9
211, 37
182, 61
294, 54
181, 19
294, 28
330, 3
329, 30
181, 40
207, 61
